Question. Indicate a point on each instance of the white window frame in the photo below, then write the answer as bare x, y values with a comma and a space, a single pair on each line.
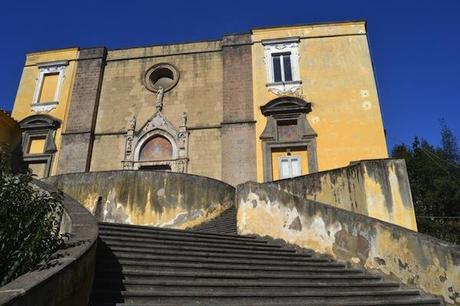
45, 69
277, 46
289, 159
282, 56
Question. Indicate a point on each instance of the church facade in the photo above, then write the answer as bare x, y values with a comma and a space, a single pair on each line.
274, 103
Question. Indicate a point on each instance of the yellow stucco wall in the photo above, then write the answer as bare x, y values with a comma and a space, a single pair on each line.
24, 97
337, 78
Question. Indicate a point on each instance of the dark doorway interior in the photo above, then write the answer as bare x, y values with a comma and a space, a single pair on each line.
157, 167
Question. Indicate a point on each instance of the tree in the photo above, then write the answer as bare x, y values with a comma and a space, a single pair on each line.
450, 150
29, 223
434, 175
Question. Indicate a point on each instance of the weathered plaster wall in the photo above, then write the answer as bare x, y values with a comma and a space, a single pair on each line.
415, 259
156, 198
375, 188
338, 79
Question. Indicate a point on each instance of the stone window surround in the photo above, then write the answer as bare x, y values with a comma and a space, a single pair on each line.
148, 82
40, 126
287, 108
44, 69
282, 45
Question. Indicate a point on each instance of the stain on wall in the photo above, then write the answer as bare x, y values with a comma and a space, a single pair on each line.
375, 188
155, 198
412, 258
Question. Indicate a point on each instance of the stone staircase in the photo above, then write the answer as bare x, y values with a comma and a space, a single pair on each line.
211, 265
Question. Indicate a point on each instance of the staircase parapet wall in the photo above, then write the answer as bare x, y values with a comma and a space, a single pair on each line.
375, 188
154, 198
415, 259
68, 279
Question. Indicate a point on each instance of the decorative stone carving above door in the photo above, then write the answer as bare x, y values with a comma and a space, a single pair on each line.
158, 144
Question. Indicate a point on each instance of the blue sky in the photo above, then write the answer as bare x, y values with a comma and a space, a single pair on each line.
415, 44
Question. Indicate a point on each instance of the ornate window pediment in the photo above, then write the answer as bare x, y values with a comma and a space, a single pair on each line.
287, 129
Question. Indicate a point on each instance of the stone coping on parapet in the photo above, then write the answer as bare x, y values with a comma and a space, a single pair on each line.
68, 279
141, 171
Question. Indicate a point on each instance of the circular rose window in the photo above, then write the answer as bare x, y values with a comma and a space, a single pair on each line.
159, 76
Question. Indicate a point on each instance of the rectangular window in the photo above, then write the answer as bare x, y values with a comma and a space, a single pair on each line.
36, 145
282, 71
49, 87
290, 167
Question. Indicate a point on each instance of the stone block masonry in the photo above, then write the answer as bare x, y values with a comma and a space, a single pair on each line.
78, 135
238, 126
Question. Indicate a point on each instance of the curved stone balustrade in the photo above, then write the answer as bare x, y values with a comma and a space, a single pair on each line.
155, 198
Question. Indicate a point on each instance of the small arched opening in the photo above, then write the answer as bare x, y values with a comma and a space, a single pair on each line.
157, 149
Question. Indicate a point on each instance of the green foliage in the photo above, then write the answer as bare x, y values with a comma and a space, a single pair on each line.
434, 175
29, 224
445, 229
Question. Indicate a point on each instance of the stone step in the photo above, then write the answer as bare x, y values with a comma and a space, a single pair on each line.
200, 266
394, 302
244, 285
139, 265
235, 275
149, 229
189, 242
203, 297
175, 237
313, 262
202, 247
269, 258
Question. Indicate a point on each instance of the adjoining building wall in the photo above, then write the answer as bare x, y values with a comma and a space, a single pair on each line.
376, 188
337, 78
415, 259
154, 198
24, 105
